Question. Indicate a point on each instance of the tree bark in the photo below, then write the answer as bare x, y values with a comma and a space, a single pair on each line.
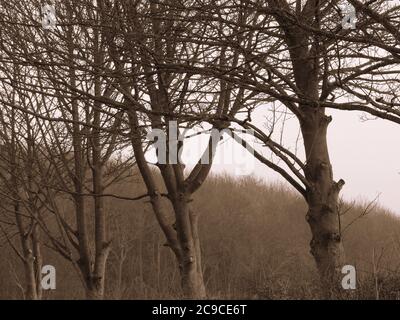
95, 289
190, 263
102, 246
182, 237
322, 191
30, 278
322, 199
32, 290
38, 263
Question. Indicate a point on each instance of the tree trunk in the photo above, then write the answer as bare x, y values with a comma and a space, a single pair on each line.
31, 284
190, 265
322, 199
38, 263
30, 278
322, 191
95, 289
182, 238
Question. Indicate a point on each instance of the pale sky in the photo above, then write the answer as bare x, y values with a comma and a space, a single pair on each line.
366, 154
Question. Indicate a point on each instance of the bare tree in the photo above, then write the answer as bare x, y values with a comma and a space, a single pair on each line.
306, 62
114, 70
79, 136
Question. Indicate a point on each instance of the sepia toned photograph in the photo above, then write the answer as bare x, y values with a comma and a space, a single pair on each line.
174, 151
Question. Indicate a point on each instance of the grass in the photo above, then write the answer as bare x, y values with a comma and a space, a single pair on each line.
255, 243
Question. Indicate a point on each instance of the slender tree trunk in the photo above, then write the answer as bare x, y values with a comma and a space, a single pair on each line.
32, 270
38, 260
31, 292
30, 278
102, 247
196, 239
30, 275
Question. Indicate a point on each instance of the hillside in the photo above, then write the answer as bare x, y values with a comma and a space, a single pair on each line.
255, 245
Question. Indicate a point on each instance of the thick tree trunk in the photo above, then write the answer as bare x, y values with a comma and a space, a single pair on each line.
326, 247
95, 289
322, 199
94, 281
190, 265
322, 191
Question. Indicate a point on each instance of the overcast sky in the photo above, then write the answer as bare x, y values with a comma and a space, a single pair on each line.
366, 154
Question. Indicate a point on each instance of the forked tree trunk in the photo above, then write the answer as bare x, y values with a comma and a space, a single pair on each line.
95, 284
94, 279
182, 237
93, 270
